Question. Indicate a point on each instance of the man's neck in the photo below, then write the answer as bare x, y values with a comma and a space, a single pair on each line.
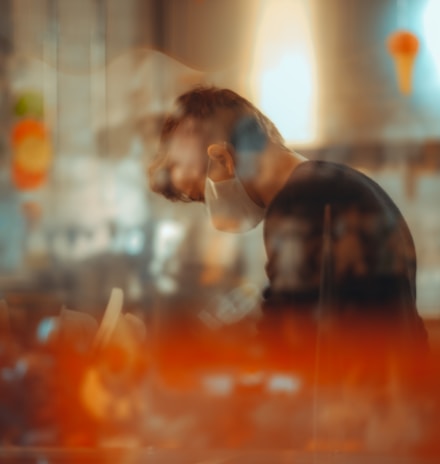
276, 166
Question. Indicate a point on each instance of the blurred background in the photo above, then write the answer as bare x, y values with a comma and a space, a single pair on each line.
84, 88
85, 85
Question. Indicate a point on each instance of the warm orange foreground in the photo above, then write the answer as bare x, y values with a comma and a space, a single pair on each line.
196, 389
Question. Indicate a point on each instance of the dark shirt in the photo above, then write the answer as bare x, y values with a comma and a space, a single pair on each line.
336, 243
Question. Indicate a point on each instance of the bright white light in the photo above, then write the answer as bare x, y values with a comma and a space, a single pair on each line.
286, 94
284, 70
165, 262
168, 238
280, 383
432, 30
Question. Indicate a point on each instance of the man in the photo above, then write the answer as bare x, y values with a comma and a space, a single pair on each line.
338, 248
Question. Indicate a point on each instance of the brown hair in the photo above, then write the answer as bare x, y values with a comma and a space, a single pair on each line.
202, 103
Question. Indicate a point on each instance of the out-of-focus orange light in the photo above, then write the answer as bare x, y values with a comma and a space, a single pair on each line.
25, 180
28, 128
403, 47
32, 154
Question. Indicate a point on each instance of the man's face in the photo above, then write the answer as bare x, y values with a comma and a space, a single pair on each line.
188, 162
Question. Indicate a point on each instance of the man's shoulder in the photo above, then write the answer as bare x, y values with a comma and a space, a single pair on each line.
329, 175
317, 183
324, 169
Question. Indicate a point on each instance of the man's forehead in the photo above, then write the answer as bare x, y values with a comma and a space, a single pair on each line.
183, 137
202, 128
183, 144
191, 137
191, 125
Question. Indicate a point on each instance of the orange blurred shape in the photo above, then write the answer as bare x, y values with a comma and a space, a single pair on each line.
116, 358
25, 180
403, 47
28, 128
94, 396
32, 154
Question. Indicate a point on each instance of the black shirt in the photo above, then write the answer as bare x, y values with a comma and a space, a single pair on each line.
335, 239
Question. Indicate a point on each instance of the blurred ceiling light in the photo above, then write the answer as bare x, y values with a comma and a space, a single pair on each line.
431, 29
283, 69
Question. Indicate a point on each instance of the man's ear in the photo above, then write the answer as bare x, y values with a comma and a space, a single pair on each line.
221, 153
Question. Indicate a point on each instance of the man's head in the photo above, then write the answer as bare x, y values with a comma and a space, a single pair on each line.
211, 127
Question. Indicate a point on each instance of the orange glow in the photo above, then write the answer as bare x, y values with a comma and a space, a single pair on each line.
356, 391
403, 42
24, 180
403, 47
28, 128
32, 154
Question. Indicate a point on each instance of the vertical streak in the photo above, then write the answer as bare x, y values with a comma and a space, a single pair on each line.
325, 290
325, 300
99, 83
159, 25
6, 49
50, 76
103, 35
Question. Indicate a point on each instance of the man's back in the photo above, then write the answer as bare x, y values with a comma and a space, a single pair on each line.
336, 242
